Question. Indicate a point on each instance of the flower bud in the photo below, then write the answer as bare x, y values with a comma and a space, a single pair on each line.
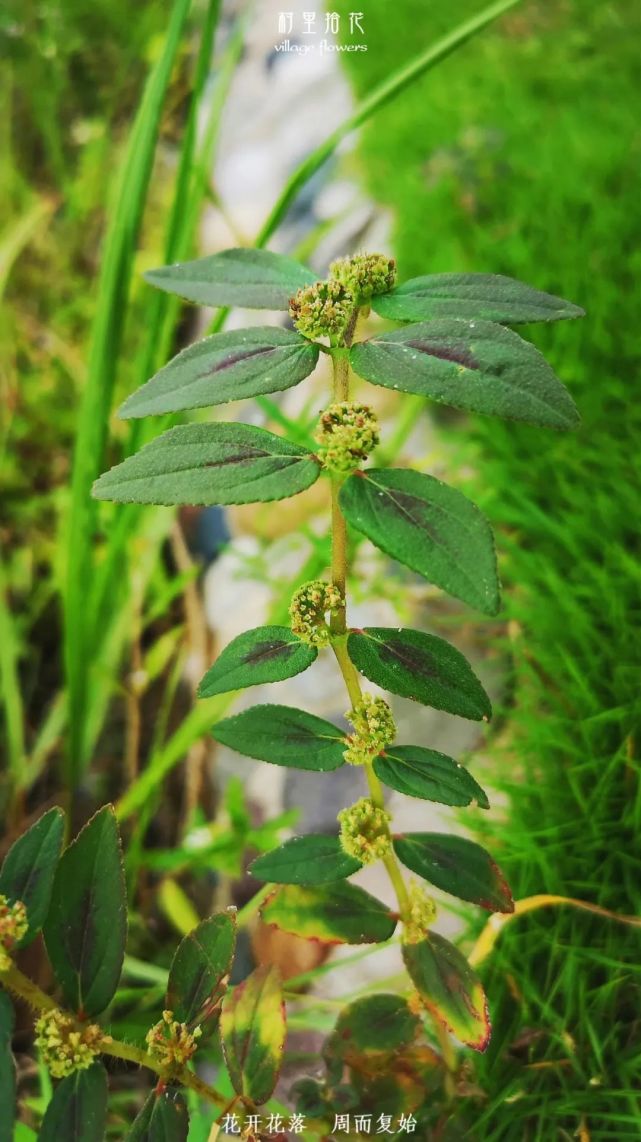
13, 926
374, 728
322, 310
172, 1043
347, 432
309, 605
365, 831
365, 275
420, 914
64, 1045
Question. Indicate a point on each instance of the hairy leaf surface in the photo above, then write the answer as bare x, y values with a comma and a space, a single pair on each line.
472, 365
313, 859
491, 297
419, 666
458, 866
428, 774
253, 1028
265, 654
210, 464
29, 868
86, 929
283, 735
338, 914
163, 1118
428, 526
255, 279
226, 367
78, 1109
200, 969
450, 989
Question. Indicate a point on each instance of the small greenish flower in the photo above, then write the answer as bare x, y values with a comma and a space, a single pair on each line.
347, 432
309, 606
374, 728
365, 275
365, 831
420, 915
322, 310
65, 1045
13, 926
172, 1043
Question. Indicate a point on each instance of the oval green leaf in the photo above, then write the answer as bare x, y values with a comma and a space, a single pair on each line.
86, 929
283, 735
200, 970
338, 914
255, 279
473, 365
29, 868
376, 1024
226, 367
457, 866
428, 774
428, 526
419, 666
210, 464
491, 297
265, 654
7, 1069
163, 1118
314, 859
450, 989
252, 1031
78, 1109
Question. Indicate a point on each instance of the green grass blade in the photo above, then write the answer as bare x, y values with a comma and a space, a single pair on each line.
111, 305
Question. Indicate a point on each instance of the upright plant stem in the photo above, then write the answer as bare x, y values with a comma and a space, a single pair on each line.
338, 621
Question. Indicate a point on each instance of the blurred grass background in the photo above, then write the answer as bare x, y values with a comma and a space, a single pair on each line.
518, 155
521, 156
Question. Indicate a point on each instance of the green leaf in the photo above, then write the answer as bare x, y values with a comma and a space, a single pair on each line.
265, 654
7, 1069
338, 914
78, 1110
473, 365
253, 1029
425, 773
200, 969
491, 297
450, 989
255, 279
29, 868
163, 1118
226, 367
283, 735
313, 859
379, 1024
419, 666
428, 526
86, 929
210, 464
457, 866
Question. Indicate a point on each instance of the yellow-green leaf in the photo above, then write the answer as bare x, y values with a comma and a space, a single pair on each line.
450, 989
339, 913
253, 1029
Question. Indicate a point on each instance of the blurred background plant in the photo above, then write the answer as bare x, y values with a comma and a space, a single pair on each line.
518, 155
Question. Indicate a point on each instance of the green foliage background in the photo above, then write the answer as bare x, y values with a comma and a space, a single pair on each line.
521, 155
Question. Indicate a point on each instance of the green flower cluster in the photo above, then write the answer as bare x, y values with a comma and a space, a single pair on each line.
374, 728
347, 432
66, 1047
420, 914
365, 831
365, 275
309, 605
172, 1043
13, 926
322, 310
